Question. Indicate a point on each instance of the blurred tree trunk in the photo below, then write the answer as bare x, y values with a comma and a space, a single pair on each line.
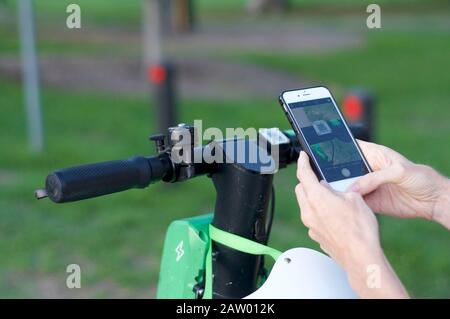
267, 5
182, 15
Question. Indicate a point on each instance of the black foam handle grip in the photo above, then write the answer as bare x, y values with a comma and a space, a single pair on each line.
92, 180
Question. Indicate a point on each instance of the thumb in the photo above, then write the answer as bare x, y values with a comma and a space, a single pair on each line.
370, 182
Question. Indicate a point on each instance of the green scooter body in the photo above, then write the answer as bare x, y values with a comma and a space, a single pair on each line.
183, 258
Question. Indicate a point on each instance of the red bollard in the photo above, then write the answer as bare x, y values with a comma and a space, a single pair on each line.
162, 77
358, 108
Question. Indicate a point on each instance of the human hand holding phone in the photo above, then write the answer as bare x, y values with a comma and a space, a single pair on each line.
401, 188
324, 136
347, 230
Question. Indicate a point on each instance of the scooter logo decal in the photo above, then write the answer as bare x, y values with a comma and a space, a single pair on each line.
179, 250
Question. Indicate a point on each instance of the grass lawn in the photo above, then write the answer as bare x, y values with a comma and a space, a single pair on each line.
118, 239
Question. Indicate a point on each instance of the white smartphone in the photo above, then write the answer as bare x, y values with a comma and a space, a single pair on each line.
324, 136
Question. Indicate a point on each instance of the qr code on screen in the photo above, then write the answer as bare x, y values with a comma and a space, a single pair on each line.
321, 127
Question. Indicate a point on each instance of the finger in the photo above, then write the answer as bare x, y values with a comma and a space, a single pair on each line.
353, 197
373, 200
305, 174
322, 243
376, 202
329, 191
380, 156
370, 153
325, 250
370, 182
363, 144
305, 208
300, 194
313, 235
325, 184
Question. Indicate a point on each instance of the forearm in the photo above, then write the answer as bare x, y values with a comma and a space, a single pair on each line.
441, 211
372, 277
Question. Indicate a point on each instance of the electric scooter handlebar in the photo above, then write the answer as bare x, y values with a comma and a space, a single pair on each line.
93, 180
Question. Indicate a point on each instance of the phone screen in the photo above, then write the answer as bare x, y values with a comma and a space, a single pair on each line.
329, 140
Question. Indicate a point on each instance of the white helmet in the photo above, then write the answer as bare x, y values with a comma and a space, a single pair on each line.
305, 273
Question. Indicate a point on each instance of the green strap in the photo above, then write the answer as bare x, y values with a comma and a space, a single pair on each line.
236, 242
208, 273
240, 243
